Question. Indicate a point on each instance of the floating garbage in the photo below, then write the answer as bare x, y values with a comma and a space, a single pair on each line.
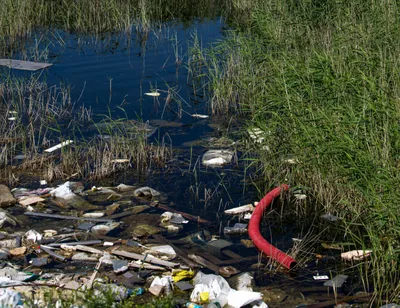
162, 251
256, 134
160, 285
218, 289
120, 266
238, 228
146, 192
19, 251
336, 282
217, 158
300, 196
24, 65
7, 219
321, 277
184, 285
240, 209
58, 146
355, 255
10, 298
120, 161
31, 237
154, 94
193, 305
30, 200
104, 229
67, 198
178, 275
200, 116
330, 217
244, 282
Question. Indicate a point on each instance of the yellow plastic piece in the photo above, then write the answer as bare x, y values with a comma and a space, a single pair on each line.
204, 297
182, 274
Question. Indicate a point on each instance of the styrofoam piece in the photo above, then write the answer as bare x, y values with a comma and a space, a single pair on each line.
24, 65
58, 146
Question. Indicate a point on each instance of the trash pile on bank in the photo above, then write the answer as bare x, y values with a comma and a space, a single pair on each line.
128, 240
105, 233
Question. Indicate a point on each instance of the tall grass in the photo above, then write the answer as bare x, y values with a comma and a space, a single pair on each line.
35, 117
20, 18
321, 79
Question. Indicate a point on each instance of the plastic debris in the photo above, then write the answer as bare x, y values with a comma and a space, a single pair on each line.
120, 161
237, 228
217, 158
200, 116
219, 289
67, 217
146, 192
330, 217
162, 250
161, 284
39, 262
32, 237
6, 218
19, 251
120, 266
30, 200
244, 282
4, 253
63, 191
178, 275
258, 136
10, 298
300, 196
355, 255
336, 282
154, 94
321, 277
240, 209
93, 215
58, 146
24, 65
184, 285
192, 305
104, 228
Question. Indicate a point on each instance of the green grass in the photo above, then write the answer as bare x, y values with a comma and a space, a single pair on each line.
107, 298
323, 77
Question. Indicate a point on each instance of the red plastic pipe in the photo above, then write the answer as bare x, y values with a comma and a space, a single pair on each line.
257, 238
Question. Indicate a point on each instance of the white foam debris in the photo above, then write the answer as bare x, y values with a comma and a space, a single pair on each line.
24, 65
59, 146
154, 94
200, 116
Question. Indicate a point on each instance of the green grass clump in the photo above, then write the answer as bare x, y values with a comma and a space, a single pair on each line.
108, 298
322, 80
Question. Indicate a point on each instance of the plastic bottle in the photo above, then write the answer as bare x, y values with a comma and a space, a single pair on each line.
193, 305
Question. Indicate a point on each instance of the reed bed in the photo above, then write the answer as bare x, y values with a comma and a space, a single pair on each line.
35, 117
321, 79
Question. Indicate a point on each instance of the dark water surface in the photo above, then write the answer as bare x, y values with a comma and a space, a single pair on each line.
110, 74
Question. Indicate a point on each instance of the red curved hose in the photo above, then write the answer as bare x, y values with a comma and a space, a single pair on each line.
257, 238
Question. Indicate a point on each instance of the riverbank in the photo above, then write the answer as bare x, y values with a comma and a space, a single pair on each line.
319, 82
